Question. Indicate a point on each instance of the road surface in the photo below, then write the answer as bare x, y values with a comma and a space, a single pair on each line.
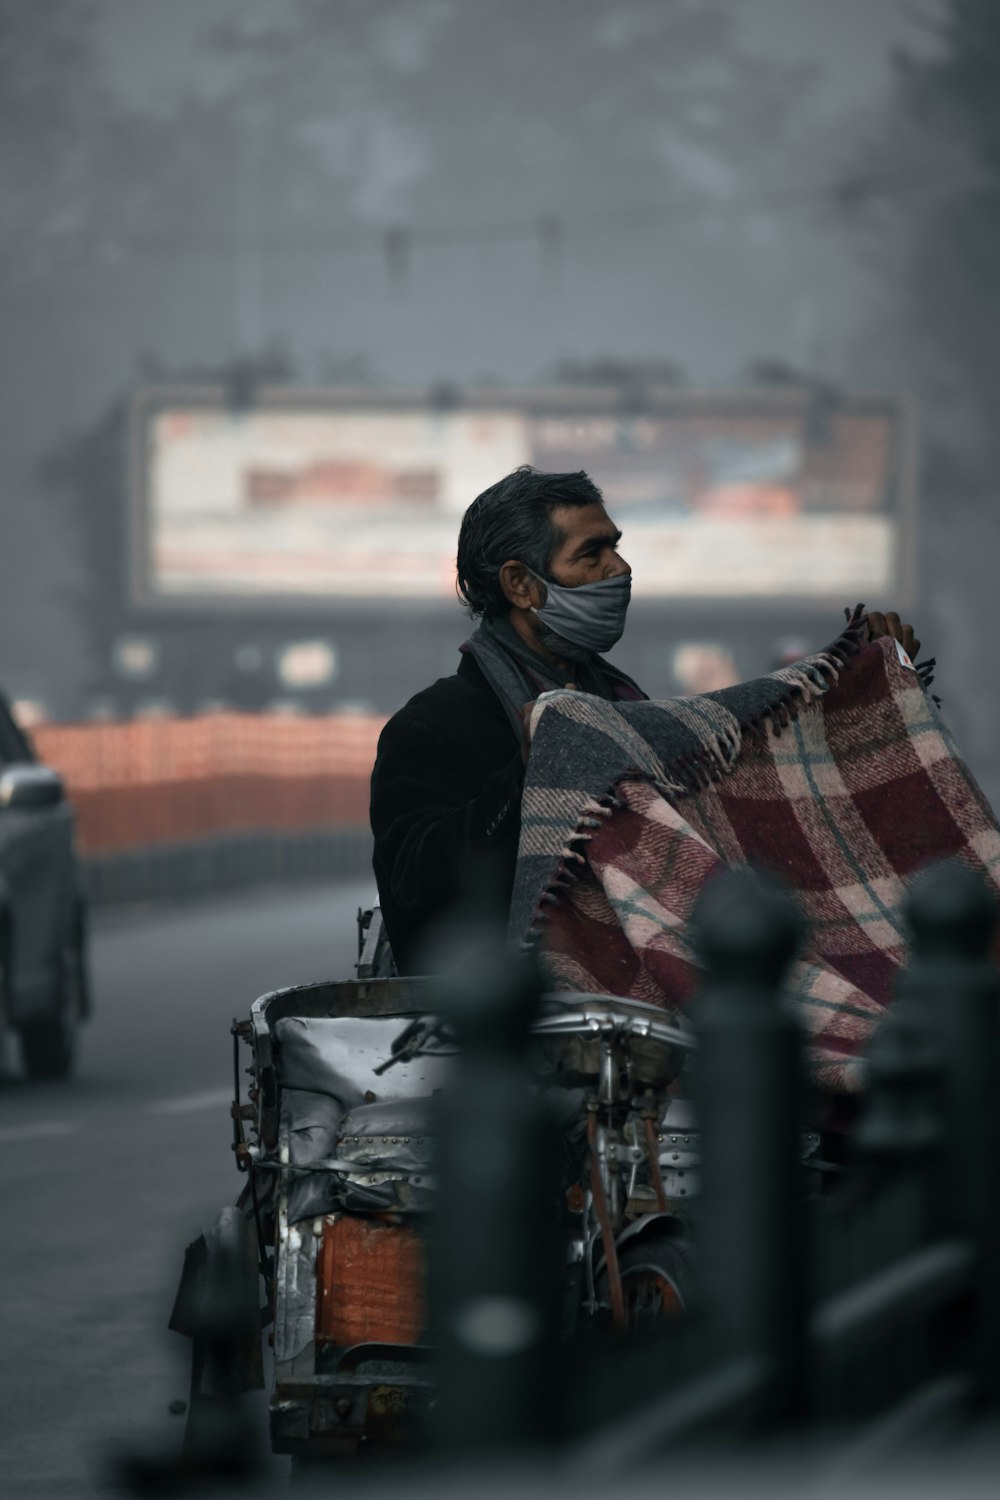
106, 1177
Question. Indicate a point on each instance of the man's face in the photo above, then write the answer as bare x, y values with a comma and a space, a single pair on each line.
588, 552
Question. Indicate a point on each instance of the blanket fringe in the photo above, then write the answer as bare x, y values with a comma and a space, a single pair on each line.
806, 681
573, 860
697, 770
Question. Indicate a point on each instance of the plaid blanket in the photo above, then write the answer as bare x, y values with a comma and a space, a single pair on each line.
846, 785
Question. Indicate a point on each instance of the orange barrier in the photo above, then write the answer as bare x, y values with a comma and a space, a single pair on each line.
159, 781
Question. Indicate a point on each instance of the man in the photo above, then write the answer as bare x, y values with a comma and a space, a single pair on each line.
538, 563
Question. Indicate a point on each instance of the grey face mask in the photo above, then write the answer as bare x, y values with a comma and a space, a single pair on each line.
592, 615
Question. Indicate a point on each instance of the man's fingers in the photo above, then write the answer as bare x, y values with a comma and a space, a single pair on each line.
891, 624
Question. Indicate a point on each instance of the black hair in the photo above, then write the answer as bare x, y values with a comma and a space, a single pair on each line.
513, 519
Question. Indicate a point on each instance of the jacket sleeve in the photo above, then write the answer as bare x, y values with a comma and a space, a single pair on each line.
433, 810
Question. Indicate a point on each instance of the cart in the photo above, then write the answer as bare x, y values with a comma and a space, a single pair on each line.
324, 1255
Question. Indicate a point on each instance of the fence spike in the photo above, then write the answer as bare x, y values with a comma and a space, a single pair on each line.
953, 914
753, 1238
495, 1264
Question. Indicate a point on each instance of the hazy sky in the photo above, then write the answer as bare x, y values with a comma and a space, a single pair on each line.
710, 292
747, 266
153, 46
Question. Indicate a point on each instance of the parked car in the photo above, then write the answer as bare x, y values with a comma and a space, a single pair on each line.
44, 992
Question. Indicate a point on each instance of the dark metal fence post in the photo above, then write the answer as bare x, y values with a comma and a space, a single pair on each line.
888, 1215
495, 1246
901, 1126
953, 917
753, 1240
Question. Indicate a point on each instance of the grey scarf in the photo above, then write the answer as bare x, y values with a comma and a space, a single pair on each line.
517, 674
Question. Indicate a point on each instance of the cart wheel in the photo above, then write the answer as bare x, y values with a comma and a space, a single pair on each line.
226, 1359
48, 1048
657, 1275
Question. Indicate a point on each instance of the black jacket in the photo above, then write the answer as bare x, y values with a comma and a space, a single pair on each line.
446, 794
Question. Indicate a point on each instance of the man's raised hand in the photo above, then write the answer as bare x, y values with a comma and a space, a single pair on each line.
890, 624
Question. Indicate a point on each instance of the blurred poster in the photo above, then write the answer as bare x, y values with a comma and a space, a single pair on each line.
716, 504
280, 503
351, 504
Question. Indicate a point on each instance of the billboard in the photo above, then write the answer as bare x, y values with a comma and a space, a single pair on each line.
314, 498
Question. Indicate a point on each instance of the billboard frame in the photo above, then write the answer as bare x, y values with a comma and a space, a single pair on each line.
620, 401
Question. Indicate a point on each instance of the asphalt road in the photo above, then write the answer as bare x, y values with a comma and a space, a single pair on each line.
105, 1178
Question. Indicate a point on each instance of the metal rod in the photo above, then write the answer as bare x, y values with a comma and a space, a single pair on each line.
706, 1404
917, 1285
607, 1236
654, 1165
895, 1431
237, 1123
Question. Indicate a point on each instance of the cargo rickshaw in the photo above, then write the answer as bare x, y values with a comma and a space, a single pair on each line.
323, 1258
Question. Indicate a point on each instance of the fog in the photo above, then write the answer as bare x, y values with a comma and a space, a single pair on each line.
663, 200
443, 192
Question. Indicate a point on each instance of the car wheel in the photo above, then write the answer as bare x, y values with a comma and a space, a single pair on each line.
48, 1048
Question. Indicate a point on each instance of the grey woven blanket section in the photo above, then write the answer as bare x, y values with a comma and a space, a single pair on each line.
582, 747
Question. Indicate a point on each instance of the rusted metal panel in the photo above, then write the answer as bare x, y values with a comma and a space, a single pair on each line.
372, 1277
